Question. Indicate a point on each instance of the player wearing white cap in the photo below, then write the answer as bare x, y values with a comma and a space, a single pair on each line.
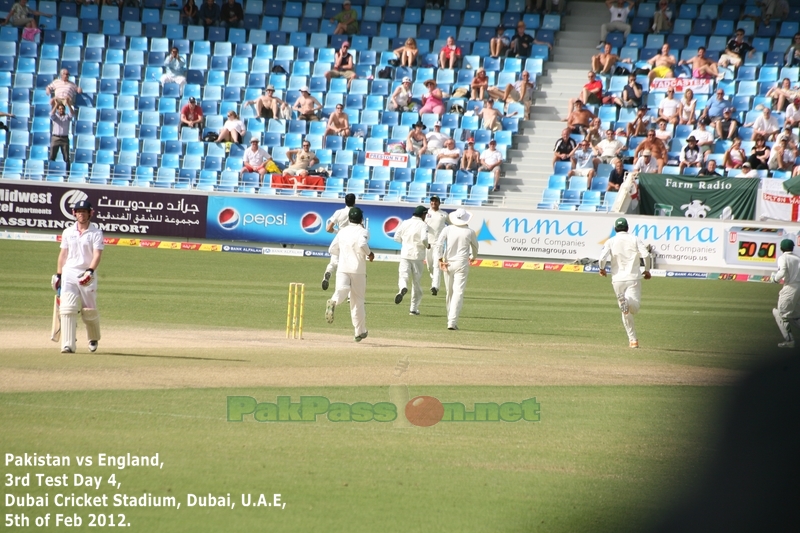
81, 250
625, 251
339, 219
436, 219
789, 297
456, 242
413, 235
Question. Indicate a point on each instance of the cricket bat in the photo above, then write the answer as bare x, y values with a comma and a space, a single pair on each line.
55, 330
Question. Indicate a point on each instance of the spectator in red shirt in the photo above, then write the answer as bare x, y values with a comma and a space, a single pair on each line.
450, 56
592, 92
192, 115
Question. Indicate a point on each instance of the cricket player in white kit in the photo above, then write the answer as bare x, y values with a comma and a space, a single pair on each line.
81, 250
352, 248
624, 251
413, 235
338, 220
789, 297
456, 241
436, 219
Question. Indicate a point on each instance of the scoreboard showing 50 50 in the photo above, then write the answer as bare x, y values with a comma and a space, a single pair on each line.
750, 245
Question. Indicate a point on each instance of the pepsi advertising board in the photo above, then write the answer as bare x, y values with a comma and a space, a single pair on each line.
298, 221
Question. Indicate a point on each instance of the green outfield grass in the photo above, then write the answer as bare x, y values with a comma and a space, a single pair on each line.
607, 454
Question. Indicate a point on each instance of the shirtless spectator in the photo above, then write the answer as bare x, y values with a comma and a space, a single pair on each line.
301, 159
579, 119
735, 50
781, 94
669, 108
266, 106
192, 115
491, 116
436, 139
447, 158
564, 147
631, 94
343, 65
338, 122
63, 91
702, 67
656, 148
471, 158
307, 106
727, 126
605, 61
639, 125
662, 64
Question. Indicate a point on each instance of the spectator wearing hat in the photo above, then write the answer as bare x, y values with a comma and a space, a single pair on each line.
499, 43
765, 125
522, 43
470, 159
433, 100
412, 234
492, 161
479, 85
232, 14
209, 14
233, 130
417, 142
690, 155
646, 163
748, 171
704, 137
301, 158
307, 106
401, 97
338, 122
436, 139
267, 105
491, 116
447, 158
255, 159
450, 54
791, 117
192, 115
343, 65
457, 242
407, 54
346, 19
562, 151
727, 126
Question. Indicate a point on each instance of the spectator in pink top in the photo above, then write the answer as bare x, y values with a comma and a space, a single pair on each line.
432, 102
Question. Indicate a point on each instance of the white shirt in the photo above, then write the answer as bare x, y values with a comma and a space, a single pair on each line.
609, 147
583, 158
350, 244
81, 246
702, 136
689, 154
451, 157
234, 125
619, 14
490, 157
788, 269
413, 235
669, 107
642, 166
436, 221
436, 140
340, 218
764, 124
255, 159
457, 242
792, 112
624, 251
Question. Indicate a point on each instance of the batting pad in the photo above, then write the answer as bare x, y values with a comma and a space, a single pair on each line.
69, 323
69, 304
92, 320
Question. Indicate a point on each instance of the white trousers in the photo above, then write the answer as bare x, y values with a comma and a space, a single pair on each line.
632, 290
455, 282
432, 256
788, 300
332, 264
356, 286
411, 269
171, 78
85, 294
617, 25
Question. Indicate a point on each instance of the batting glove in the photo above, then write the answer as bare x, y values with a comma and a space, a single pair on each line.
55, 282
87, 277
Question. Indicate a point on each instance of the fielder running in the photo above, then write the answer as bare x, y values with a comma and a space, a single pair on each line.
456, 241
352, 248
338, 220
624, 251
789, 297
81, 250
413, 234
436, 219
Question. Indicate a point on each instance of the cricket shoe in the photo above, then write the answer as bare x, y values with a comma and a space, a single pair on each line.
67, 349
92, 346
787, 344
326, 281
399, 297
634, 344
623, 304
434, 291
415, 313
452, 328
329, 308
359, 338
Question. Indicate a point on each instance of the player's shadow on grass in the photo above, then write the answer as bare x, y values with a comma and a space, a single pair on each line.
177, 357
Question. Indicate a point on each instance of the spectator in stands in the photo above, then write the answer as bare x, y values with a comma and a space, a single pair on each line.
631, 94
787, 134
582, 158
190, 14
521, 43
662, 133
759, 154
690, 155
702, 66
662, 20
619, 19
617, 176
447, 158
608, 149
492, 118
548, 6
593, 133
417, 142
401, 97
688, 108
772, 9
407, 54
605, 61
735, 50
470, 159
233, 129
175, 66
792, 115
792, 53
766, 126
436, 139
564, 147
343, 65
639, 125
499, 44
22, 16
704, 137
347, 20
735, 156
255, 159
479, 85
579, 119
662, 64
492, 161
338, 122
710, 169
715, 106
669, 107
450, 54
657, 149
592, 92
307, 106
782, 156
520, 91
646, 163
192, 116
727, 126
781, 94
59, 138
267, 105
748, 171
432, 101
232, 14
63, 91
3, 125
209, 14
301, 159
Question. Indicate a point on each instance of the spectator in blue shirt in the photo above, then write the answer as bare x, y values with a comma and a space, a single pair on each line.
716, 106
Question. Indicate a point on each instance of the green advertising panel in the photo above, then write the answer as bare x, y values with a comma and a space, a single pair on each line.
698, 196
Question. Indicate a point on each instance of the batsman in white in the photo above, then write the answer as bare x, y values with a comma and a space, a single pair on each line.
789, 297
436, 219
352, 248
81, 250
338, 220
456, 242
624, 251
413, 235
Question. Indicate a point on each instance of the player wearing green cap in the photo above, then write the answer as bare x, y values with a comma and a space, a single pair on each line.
413, 235
624, 251
789, 297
